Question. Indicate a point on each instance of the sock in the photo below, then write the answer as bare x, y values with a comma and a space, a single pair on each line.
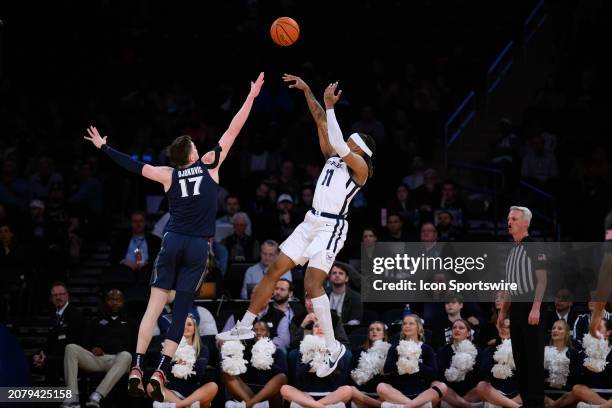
165, 362
322, 310
248, 318
262, 404
138, 360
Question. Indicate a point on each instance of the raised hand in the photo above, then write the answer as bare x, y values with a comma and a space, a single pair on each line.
298, 84
94, 137
256, 86
330, 97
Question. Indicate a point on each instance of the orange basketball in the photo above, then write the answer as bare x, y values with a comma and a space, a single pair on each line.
284, 31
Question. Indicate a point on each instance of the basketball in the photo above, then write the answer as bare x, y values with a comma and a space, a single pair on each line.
284, 31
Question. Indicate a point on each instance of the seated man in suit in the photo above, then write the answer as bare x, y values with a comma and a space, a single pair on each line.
344, 300
563, 309
133, 253
67, 325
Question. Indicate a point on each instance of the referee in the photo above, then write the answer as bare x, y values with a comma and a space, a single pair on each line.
526, 266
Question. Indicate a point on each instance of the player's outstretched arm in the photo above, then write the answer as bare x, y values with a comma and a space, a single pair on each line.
317, 112
227, 139
336, 140
160, 174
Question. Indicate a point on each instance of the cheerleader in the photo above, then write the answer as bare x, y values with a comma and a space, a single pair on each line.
561, 364
596, 369
413, 368
368, 366
268, 367
312, 391
498, 364
189, 364
459, 366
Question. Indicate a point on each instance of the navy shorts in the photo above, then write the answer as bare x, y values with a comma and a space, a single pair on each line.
181, 263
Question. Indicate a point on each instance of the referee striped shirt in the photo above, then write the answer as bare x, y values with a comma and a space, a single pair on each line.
523, 260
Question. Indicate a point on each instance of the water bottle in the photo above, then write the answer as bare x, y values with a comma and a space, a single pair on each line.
138, 253
407, 310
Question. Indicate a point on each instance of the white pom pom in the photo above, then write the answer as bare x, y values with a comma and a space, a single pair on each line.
184, 357
313, 351
596, 351
233, 362
409, 353
262, 354
505, 360
371, 362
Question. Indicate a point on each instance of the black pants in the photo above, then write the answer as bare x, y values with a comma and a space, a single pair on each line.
528, 352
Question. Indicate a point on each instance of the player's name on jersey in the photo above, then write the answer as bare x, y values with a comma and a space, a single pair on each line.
190, 172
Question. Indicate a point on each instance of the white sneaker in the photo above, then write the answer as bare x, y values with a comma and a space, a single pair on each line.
94, 400
195, 405
262, 404
331, 360
386, 404
336, 405
235, 404
71, 402
157, 404
239, 332
295, 405
586, 405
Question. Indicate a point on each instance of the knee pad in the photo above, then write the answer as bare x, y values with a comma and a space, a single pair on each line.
182, 304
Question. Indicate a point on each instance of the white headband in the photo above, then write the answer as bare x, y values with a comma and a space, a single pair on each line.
359, 142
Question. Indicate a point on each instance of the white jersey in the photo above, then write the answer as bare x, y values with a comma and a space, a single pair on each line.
335, 188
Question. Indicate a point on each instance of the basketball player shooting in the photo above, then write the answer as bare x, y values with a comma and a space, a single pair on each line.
191, 188
319, 238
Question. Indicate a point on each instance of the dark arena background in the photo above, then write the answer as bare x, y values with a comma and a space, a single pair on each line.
474, 106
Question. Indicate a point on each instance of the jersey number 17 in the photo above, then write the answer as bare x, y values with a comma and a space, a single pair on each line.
196, 186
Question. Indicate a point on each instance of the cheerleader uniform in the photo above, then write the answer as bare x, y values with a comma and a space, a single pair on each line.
509, 386
596, 380
411, 385
574, 370
183, 387
257, 378
370, 386
319, 387
445, 357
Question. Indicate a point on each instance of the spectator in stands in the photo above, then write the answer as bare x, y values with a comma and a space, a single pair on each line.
107, 350
14, 190
344, 300
447, 232
87, 196
489, 335
442, 331
539, 165
286, 179
259, 385
67, 325
563, 309
133, 253
306, 196
452, 202
364, 393
277, 323
581, 325
282, 299
331, 391
370, 125
461, 380
267, 255
15, 271
506, 149
416, 388
427, 196
241, 247
44, 179
368, 239
262, 212
416, 177
302, 325
56, 204
225, 222
182, 389
403, 205
502, 392
394, 231
287, 218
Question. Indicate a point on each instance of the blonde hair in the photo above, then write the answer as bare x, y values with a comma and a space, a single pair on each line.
195, 339
420, 329
567, 337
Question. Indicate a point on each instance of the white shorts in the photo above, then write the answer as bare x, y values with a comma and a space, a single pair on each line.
317, 240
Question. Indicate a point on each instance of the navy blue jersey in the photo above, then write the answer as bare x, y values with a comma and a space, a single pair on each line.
192, 199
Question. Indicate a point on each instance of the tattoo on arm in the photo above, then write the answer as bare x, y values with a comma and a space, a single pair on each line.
316, 110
